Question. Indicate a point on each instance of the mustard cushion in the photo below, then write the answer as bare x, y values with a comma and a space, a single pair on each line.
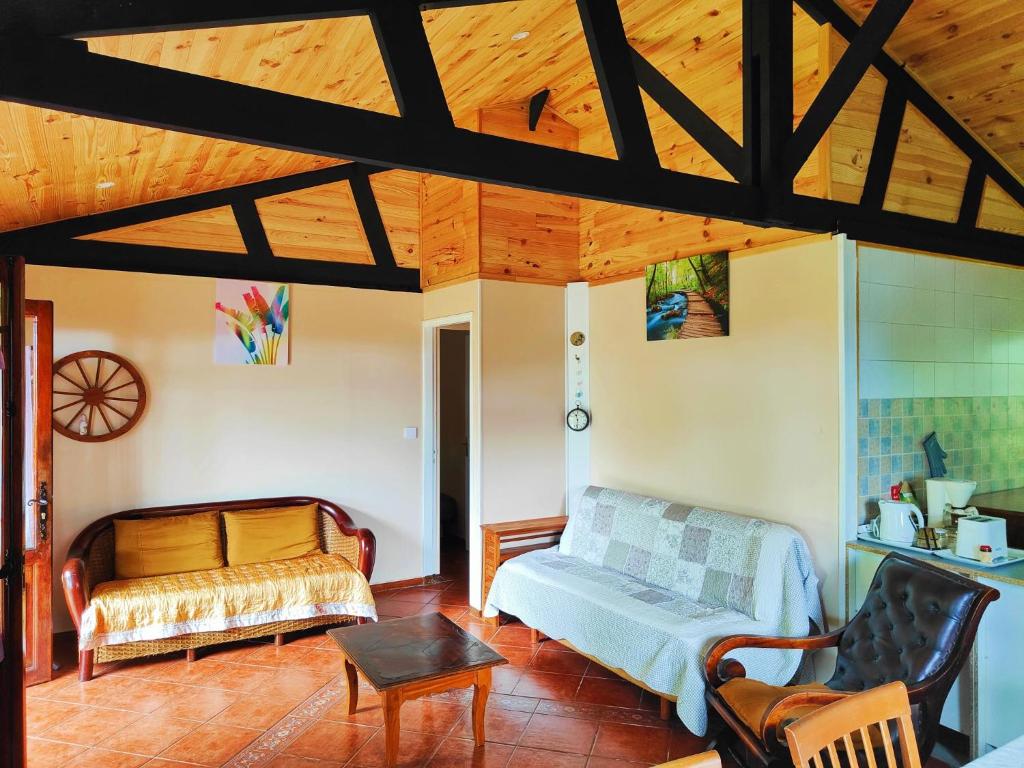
277, 533
158, 546
751, 699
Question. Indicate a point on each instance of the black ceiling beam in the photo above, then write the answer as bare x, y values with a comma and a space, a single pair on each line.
254, 236
95, 254
412, 71
922, 100
883, 151
691, 118
970, 204
841, 82
99, 18
612, 58
57, 75
373, 225
179, 206
537, 102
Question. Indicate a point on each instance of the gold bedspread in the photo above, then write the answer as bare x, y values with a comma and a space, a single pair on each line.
223, 598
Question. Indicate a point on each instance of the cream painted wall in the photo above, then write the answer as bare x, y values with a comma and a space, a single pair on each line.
330, 424
748, 423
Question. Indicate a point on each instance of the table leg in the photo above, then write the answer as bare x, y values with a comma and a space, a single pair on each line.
481, 690
391, 702
353, 687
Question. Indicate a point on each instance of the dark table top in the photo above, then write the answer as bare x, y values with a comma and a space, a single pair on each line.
1011, 500
401, 651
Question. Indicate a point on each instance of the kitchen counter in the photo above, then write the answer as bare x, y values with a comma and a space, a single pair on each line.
1009, 505
1008, 574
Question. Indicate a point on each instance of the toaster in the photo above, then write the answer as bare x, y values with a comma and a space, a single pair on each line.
976, 531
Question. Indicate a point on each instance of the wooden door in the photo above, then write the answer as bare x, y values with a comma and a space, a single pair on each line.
38, 482
12, 516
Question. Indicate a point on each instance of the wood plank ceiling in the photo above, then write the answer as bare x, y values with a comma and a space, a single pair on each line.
54, 165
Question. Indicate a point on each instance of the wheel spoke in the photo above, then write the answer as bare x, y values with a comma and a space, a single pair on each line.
72, 381
106, 421
111, 377
120, 386
81, 370
99, 367
122, 414
124, 399
73, 402
92, 409
77, 414
75, 394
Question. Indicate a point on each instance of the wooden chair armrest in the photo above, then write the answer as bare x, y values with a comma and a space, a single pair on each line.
76, 587
367, 550
718, 670
703, 760
782, 709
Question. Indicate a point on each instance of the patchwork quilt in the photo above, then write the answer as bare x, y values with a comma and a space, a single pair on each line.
647, 586
224, 598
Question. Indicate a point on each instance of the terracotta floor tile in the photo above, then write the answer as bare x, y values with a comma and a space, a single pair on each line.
315, 640
270, 655
509, 635
392, 606
463, 753
48, 689
504, 679
368, 710
526, 757
557, 661
480, 631
104, 758
631, 742
150, 735
613, 693
427, 716
210, 744
242, 677
421, 595
254, 712
414, 749
291, 761
159, 762
199, 704
596, 670
197, 672
514, 703
294, 684
324, 660
236, 652
682, 743
91, 726
453, 612
517, 655
50, 754
562, 734
611, 762
547, 685
500, 725
41, 714
330, 741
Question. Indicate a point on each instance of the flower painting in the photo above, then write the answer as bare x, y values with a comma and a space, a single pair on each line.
688, 298
251, 323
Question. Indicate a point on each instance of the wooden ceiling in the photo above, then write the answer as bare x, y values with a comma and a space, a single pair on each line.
968, 52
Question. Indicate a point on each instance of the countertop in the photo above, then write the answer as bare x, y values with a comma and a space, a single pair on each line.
1011, 500
1007, 574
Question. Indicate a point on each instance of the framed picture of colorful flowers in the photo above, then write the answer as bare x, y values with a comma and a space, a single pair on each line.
688, 298
252, 322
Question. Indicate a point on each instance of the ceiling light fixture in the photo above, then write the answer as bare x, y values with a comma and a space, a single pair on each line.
520, 35
105, 185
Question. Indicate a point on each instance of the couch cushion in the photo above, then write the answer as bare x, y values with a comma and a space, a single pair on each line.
224, 598
172, 544
263, 535
750, 700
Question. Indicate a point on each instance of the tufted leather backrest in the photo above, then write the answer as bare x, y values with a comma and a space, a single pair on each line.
914, 622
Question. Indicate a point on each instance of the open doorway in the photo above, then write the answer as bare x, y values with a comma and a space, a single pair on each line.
453, 450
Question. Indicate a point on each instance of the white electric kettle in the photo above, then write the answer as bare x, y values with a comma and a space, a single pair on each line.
894, 522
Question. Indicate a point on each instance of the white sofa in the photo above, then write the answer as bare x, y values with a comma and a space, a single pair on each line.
645, 586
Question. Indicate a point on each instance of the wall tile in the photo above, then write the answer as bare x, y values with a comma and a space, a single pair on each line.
903, 342
943, 272
982, 346
982, 311
924, 380
945, 380
963, 379
963, 309
944, 308
875, 341
923, 303
1000, 379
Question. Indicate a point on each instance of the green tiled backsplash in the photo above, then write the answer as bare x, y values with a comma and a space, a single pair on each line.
984, 437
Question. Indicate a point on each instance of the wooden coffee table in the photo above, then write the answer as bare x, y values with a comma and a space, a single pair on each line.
405, 659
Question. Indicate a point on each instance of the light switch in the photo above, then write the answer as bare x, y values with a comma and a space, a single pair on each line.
409, 433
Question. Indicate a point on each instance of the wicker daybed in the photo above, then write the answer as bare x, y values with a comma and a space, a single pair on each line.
90, 563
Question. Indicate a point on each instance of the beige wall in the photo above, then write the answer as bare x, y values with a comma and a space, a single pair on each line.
330, 424
748, 423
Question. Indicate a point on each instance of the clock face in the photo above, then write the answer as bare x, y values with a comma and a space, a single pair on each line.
577, 339
578, 419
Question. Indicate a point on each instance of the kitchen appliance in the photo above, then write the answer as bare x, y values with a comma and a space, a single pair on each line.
894, 524
977, 531
941, 491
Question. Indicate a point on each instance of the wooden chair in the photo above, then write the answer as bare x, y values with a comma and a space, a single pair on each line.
827, 737
917, 626
703, 760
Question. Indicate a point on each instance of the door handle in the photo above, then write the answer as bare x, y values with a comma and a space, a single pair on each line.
43, 502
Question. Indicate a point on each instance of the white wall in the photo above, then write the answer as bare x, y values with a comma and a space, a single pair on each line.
749, 423
939, 327
330, 424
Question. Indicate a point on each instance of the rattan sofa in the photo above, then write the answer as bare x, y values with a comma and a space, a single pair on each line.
90, 562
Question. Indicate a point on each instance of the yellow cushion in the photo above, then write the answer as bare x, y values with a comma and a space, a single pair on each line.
157, 546
751, 700
278, 533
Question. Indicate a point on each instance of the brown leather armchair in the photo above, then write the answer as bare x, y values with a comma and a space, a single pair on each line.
916, 625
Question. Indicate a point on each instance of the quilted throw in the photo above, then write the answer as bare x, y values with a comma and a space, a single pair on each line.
647, 586
224, 598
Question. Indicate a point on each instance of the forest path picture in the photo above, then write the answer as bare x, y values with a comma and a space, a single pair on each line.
688, 298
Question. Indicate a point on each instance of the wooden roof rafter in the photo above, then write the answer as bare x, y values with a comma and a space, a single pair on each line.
38, 68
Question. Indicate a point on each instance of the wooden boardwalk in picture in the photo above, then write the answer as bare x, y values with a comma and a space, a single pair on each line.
701, 320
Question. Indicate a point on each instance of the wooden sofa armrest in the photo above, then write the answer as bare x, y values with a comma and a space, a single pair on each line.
367, 541
718, 670
74, 580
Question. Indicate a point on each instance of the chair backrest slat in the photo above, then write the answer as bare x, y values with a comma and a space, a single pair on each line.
829, 730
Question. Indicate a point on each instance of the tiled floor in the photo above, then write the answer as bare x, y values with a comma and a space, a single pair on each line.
253, 705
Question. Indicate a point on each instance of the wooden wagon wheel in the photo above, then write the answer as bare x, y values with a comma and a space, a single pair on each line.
97, 396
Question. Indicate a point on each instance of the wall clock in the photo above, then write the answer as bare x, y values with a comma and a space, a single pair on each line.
577, 419
97, 396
